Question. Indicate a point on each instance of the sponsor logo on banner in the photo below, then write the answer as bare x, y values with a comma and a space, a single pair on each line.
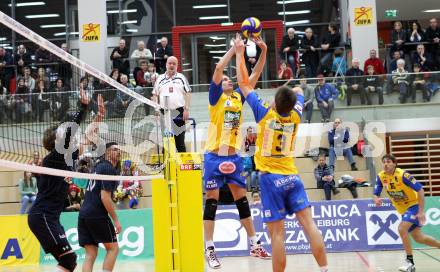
382, 227
91, 32
433, 216
363, 16
229, 234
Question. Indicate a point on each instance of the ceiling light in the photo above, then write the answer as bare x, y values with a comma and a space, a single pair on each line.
4, 44
217, 51
215, 45
217, 57
187, 70
28, 4
431, 10
292, 1
227, 24
294, 12
3, 38
217, 38
213, 17
122, 11
129, 22
36, 16
186, 64
210, 6
64, 34
53, 26
298, 22
131, 30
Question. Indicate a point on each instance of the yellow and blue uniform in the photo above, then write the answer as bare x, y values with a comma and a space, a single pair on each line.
224, 132
282, 191
402, 189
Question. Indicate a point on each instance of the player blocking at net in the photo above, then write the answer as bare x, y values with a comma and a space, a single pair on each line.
408, 197
222, 164
282, 191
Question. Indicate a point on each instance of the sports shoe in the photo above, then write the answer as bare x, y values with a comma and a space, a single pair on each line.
257, 250
407, 267
211, 258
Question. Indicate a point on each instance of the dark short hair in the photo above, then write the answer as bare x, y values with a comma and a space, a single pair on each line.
285, 100
416, 65
110, 144
143, 62
49, 138
389, 157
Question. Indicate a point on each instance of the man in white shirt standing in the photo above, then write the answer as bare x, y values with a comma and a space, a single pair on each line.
175, 86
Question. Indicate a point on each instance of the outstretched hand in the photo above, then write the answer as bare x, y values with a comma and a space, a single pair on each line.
101, 106
259, 41
239, 44
84, 98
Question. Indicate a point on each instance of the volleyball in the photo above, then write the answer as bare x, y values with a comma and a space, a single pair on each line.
251, 27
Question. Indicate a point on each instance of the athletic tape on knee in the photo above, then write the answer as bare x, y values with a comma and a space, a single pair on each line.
68, 261
243, 207
210, 209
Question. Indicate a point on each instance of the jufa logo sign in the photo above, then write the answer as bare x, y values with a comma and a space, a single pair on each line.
91, 32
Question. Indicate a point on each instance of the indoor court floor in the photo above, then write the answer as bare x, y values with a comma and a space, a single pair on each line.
375, 261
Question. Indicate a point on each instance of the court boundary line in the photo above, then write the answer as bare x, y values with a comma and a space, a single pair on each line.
429, 255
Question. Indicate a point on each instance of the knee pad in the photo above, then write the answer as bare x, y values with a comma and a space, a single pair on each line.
210, 209
243, 208
68, 261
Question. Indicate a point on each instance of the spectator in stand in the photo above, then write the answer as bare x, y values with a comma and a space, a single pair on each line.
309, 96
6, 68
162, 53
36, 161
285, 72
289, 49
143, 83
40, 100
398, 39
432, 35
375, 62
416, 35
256, 200
141, 54
324, 178
43, 58
29, 81
22, 59
354, 79
64, 68
393, 64
372, 84
248, 159
123, 100
119, 57
115, 74
339, 67
28, 191
4, 105
21, 101
310, 56
328, 44
151, 76
338, 138
418, 82
422, 58
325, 93
73, 200
59, 102
400, 78
41, 75
251, 54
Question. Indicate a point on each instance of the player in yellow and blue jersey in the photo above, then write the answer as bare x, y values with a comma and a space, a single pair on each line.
222, 163
407, 196
282, 191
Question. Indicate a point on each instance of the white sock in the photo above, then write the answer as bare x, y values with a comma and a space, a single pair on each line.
209, 243
253, 240
324, 268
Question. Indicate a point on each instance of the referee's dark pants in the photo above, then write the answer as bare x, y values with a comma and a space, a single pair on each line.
178, 127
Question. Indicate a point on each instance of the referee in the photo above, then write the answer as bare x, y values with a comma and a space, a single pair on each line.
175, 86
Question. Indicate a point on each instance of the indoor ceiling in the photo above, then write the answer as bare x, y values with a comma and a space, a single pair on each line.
408, 9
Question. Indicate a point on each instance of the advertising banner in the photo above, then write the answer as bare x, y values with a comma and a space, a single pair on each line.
18, 246
347, 225
432, 211
135, 241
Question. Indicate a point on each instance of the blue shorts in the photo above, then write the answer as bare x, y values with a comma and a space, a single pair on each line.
410, 216
282, 195
218, 170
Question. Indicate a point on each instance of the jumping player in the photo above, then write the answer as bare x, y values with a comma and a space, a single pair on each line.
408, 197
222, 164
282, 191
44, 217
94, 224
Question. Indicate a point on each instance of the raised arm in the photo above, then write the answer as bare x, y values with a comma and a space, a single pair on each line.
219, 68
242, 74
258, 69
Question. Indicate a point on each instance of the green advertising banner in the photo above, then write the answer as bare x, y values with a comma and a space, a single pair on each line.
135, 240
432, 211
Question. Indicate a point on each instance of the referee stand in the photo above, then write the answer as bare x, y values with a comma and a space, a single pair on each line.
178, 210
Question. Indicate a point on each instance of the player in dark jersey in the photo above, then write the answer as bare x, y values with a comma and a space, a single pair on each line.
44, 216
94, 223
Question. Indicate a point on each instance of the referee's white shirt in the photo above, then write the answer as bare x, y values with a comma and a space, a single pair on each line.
174, 87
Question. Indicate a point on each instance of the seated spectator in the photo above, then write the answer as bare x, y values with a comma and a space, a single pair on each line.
59, 102
372, 84
309, 96
432, 35
339, 67
151, 76
289, 49
73, 200
141, 54
6, 68
4, 105
129, 189
418, 82
42, 56
398, 39
354, 82
324, 178
248, 159
64, 67
140, 79
21, 101
115, 75
285, 72
423, 59
163, 51
416, 35
119, 58
29, 81
325, 94
123, 100
310, 55
256, 200
28, 191
400, 78
42, 75
40, 100
22, 59
36, 161
375, 62
393, 64
330, 41
338, 138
